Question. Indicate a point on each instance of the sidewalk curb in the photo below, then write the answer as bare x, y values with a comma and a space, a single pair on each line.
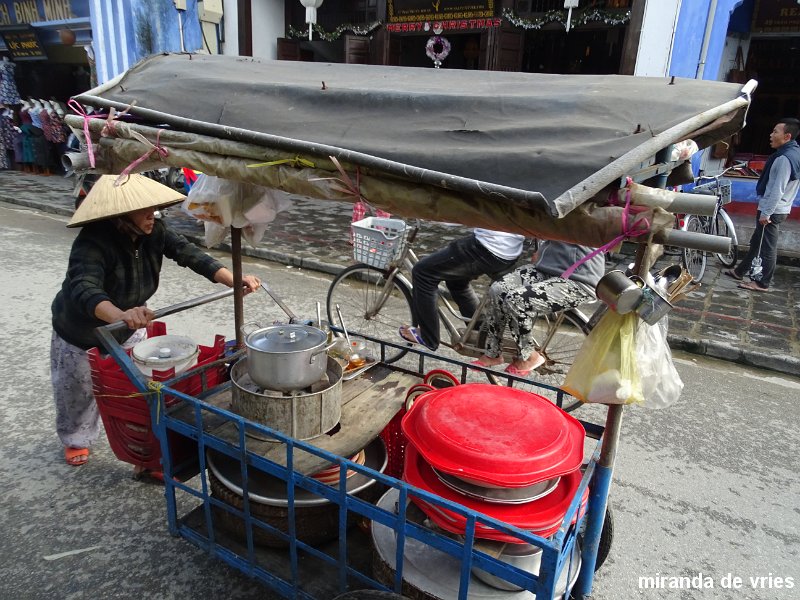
784, 364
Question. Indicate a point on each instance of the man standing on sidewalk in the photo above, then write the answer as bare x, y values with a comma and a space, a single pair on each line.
776, 189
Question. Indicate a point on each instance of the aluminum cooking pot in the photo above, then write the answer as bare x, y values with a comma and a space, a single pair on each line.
286, 357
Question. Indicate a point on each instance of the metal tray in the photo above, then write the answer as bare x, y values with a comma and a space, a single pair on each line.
353, 373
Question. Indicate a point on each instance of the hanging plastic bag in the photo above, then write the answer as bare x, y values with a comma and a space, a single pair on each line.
223, 203
605, 370
211, 199
661, 384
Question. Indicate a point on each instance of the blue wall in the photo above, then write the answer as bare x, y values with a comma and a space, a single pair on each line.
126, 31
689, 37
155, 23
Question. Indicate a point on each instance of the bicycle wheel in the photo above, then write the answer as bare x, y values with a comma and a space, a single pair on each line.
357, 290
695, 260
723, 226
559, 353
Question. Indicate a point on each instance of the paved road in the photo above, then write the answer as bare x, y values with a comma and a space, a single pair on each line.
707, 486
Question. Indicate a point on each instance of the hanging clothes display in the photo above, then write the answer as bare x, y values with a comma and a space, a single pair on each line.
6, 138
53, 127
8, 85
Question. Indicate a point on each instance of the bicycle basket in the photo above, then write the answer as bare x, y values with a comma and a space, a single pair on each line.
724, 189
377, 241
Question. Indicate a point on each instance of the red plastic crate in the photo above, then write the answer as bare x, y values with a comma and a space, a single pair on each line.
126, 413
395, 441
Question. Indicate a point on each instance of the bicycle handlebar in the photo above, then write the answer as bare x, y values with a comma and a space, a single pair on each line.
716, 177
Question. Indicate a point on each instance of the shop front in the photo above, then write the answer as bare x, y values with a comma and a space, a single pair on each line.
550, 36
43, 62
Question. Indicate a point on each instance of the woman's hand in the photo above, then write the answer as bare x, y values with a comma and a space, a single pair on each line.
137, 317
251, 283
225, 277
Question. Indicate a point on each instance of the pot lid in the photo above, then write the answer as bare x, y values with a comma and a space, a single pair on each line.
286, 338
164, 351
542, 517
494, 435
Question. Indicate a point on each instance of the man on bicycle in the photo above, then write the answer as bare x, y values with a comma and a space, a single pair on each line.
776, 189
484, 252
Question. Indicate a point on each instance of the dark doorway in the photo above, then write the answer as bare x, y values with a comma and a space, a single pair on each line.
582, 51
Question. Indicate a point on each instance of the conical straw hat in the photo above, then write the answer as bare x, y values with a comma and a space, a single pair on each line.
136, 192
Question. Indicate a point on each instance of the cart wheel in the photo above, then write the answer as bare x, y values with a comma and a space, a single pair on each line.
369, 595
606, 537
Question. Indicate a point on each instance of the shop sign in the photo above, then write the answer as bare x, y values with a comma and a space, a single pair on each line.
776, 16
424, 27
413, 11
23, 12
23, 44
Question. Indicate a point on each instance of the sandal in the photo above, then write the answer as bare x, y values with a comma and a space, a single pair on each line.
512, 369
480, 363
732, 273
76, 457
752, 285
411, 334
145, 475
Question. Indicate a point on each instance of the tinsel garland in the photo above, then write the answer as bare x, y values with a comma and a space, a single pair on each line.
552, 16
560, 16
336, 33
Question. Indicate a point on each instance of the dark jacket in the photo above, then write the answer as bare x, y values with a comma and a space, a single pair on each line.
791, 151
106, 265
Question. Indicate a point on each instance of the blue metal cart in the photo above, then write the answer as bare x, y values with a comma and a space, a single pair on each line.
297, 569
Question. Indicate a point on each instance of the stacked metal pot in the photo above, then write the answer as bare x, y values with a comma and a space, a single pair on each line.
288, 382
503, 452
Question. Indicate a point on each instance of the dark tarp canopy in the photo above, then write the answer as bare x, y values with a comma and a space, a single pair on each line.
508, 143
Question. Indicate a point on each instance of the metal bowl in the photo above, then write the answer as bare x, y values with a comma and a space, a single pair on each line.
497, 494
266, 489
528, 558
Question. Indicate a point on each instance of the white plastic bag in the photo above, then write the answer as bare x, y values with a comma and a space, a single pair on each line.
222, 203
661, 384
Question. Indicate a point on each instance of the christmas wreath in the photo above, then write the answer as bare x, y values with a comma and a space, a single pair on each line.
437, 48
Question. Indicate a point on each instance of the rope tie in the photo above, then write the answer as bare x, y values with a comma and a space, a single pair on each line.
110, 128
156, 387
294, 162
634, 229
78, 109
157, 148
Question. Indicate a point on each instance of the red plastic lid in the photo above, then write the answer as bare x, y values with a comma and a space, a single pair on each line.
494, 435
542, 517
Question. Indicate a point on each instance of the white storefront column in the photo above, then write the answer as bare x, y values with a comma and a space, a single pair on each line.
657, 37
268, 26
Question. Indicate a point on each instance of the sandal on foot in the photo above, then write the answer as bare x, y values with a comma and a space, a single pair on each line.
411, 334
752, 285
732, 273
76, 457
480, 363
512, 369
145, 475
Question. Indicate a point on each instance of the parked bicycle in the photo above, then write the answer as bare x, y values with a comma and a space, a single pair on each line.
375, 298
718, 223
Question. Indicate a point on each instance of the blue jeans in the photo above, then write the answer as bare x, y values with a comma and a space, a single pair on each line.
768, 247
459, 263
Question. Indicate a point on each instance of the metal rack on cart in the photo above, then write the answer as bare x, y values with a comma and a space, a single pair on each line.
302, 570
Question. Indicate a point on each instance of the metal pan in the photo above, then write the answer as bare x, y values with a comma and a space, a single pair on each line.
519, 495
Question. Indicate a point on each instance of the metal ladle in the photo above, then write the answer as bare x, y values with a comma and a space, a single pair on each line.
344, 329
354, 359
